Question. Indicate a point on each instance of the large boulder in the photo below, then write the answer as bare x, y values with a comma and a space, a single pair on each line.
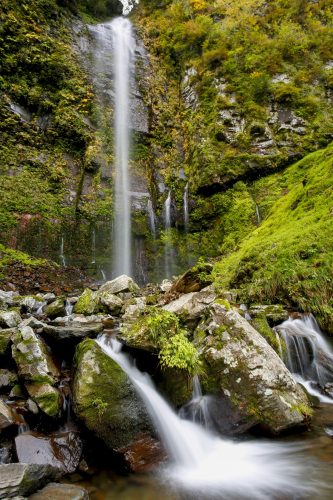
104, 398
121, 284
61, 450
193, 280
73, 330
109, 302
56, 308
23, 479
9, 319
191, 306
36, 369
87, 303
242, 366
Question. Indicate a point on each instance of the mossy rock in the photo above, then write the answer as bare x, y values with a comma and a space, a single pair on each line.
56, 308
5, 338
104, 398
47, 398
87, 303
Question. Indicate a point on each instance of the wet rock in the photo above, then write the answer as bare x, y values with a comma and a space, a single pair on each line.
34, 323
242, 366
7, 379
6, 452
105, 399
36, 369
61, 491
56, 308
193, 280
48, 297
274, 313
144, 455
23, 479
29, 304
62, 450
133, 309
6, 416
47, 398
5, 340
121, 284
191, 305
9, 319
109, 301
87, 303
7, 297
74, 330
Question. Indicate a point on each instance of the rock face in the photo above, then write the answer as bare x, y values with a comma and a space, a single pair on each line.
57, 491
61, 450
36, 369
104, 398
242, 366
23, 479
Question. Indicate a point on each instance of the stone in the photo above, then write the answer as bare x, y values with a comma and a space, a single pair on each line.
7, 379
7, 297
121, 284
193, 280
62, 450
144, 455
73, 330
34, 323
132, 311
87, 303
32, 407
61, 491
275, 313
109, 302
191, 305
56, 308
5, 340
33, 357
9, 319
241, 365
6, 452
24, 479
6, 416
104, 398
47, 398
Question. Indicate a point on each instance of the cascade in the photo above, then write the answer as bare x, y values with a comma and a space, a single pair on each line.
167, 211
128, 5
207, 464
167, 248
62, 255
258, 215
308, 356
197, 409
93, 247
151, 215
68, 307
186, 209
123, 45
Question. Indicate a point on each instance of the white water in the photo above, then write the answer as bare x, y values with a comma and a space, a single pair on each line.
197, 409
212, 467
93, 247
123, 46
186, 209
167, 211
152, 218
68, 308
308, 356
258, 215
167, 247
128, 6
62, 255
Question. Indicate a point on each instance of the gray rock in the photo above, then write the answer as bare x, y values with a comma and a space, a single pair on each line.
7, 378
109, 301
105, 399
5, 339
62, 450
23, 479
61, 491
9, 319
275, 312
6, 452
56, 308
133, 310
191, 305
121, 284
34, 323
74, 330
242, 366
6, 416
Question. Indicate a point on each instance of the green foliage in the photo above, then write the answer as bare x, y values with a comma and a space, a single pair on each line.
101, 407
162, 329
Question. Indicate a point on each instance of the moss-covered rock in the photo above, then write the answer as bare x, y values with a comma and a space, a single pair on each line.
9, 319
56, 308
5, 338
47, 398
241, 365
105, 399
87, 303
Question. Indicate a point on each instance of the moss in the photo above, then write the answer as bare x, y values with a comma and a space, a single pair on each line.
260, 323
49, 402
87, 303
5, 336
223, 302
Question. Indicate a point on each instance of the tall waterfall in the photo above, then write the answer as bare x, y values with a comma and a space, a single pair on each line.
212, 467
186, 209
308, 356
167, 211
123, 62
152, 218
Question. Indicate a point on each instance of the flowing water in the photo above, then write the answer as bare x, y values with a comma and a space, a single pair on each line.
62, 254
308, 355
152, 218
123, 46
186, 209
203, 465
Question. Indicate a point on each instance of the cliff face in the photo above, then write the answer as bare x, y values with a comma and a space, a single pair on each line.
229, 98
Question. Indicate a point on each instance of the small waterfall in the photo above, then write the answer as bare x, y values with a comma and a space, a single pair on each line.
197, 409
210, 466
167, 211
39, 311
152, 218
258, 215
186, 209
308, 356
93, 247
123, 46
68, 308
62, 254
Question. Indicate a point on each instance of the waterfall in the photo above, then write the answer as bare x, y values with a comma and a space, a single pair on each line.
151, 215
206, 464
186, 210
68, 307
167, 211
93, 247
308, 356
128, 5
123, 45
197, 409
62, 255
258, 215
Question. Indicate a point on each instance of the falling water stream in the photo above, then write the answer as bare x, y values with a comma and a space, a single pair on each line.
123, 46
186, 209
204, 465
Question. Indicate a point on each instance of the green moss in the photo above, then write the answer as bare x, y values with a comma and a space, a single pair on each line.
260, 323
87, 303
